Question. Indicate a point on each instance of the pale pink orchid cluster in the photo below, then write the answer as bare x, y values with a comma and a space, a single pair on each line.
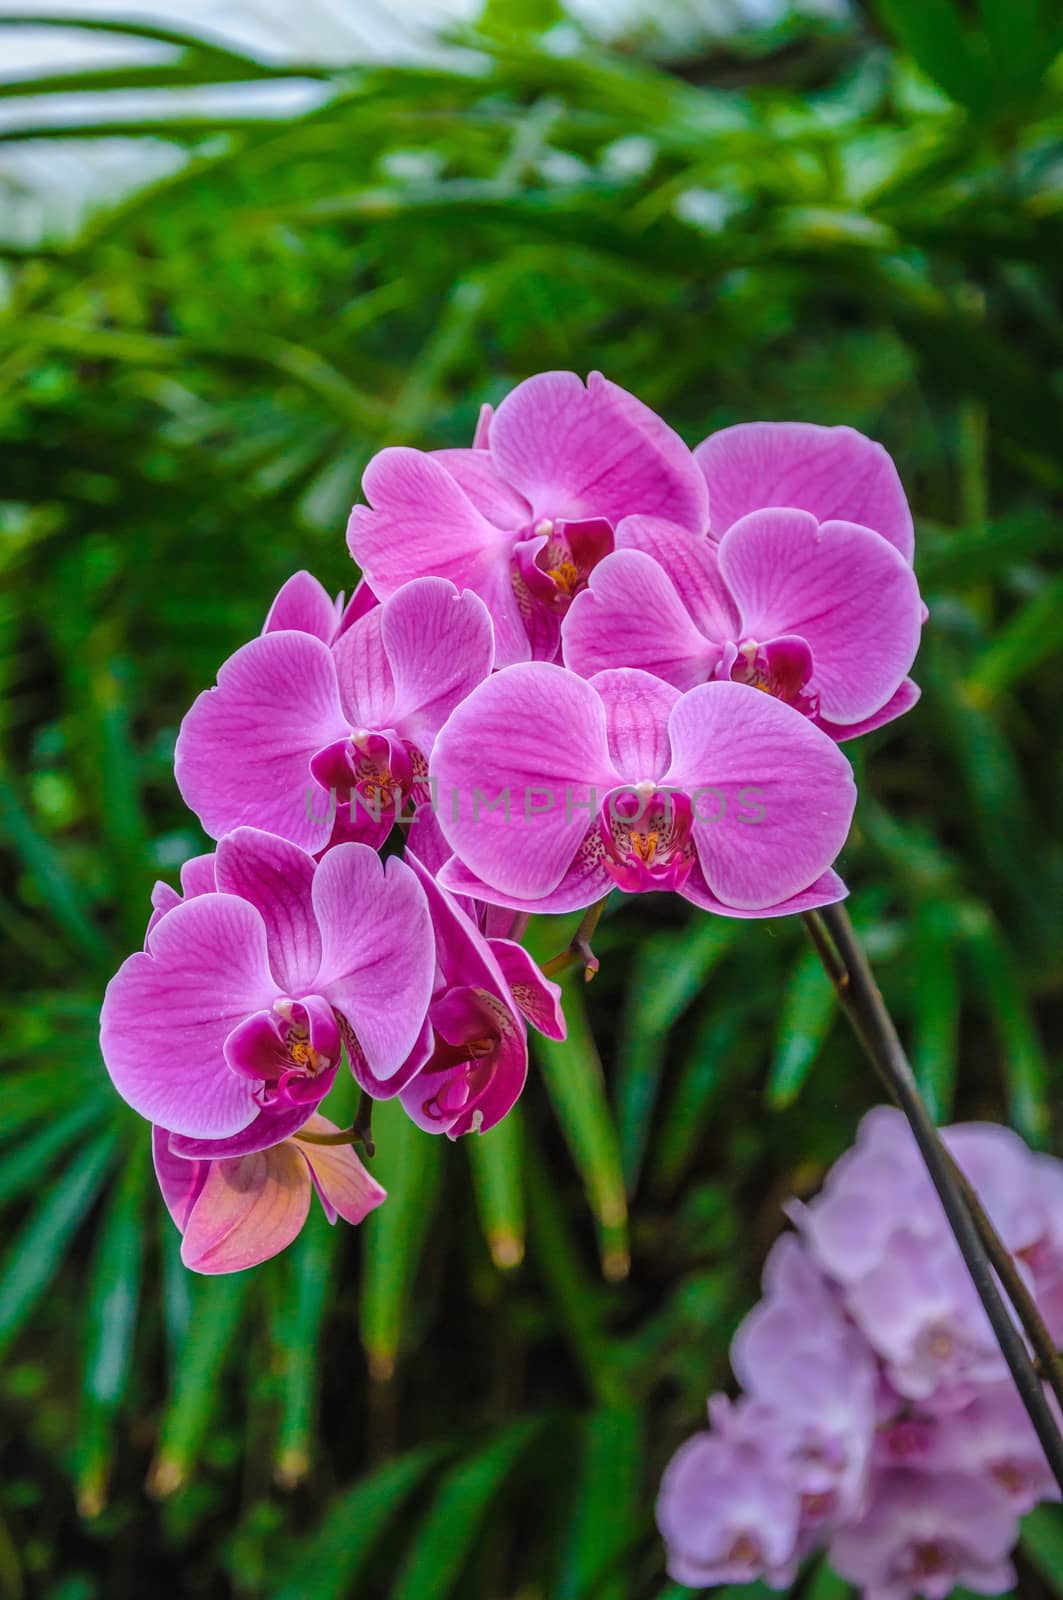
877, 1417
581, 657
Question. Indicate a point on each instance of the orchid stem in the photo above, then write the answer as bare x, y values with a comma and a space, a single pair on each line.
579, 952
981, 1247
359, 1132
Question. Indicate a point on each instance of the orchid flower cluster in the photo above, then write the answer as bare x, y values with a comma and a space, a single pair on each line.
877, 1416
580, 657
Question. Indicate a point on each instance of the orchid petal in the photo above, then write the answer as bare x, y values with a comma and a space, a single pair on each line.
574, 451
275, 877
841, 588
441, 645
377, 956
249, 1210
243, 752
489, 492
168, 1011
827, 890
534, 740
304, 606
637, 707
631, 616
538, 999
181, 1181
692, 564
788, 792
343, 1185
835, 473
900, 702
363, 672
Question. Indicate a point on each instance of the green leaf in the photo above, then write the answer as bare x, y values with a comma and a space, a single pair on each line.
933, 33
1042, 1542
497, 1162
441, 1544
572, 1072
1026, 1070
327, 1564
37, 1250
1026, 641
607, 1507
807, 1012
111, 1327
217, 1307
408, 1162
297, 1336
936, 1004
668, 972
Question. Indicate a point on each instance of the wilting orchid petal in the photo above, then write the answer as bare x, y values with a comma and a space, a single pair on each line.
835, 473
235, 1212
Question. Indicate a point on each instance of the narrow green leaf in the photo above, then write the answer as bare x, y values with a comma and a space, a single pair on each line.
607, 1507
217, 1305
936, 1004
110, 1327
572, 1072
327, 1564
442, 1542
1026, 1070
1042, 1542
668, 972
808, 1008
1025, 642
409, 1164
298, 1336
933, 33
496, 1159
27, 1164
37, 1250
57, 890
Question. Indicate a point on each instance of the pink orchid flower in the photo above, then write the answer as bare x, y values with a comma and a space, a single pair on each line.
824, 615
554, 789
303, 605
227, 1030
485, 989
317, 743
236, 1212
524, 516
836, 474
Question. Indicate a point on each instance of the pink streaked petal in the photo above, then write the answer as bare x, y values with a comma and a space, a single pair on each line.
249, 1210
362, 601
304, 606
163, 899
270, 1127
422, 525
835, 473
533, 738
243, 752
574, 451
637, 708
767, 758
826, 891
198, 876
181, 1181
583, 882
904, 699
481, 439
631, 616
692, 564
343, 1185
538, 998
363, 672
851, 596
378, 955
489, 492
275, 876
441, 645
167, 1013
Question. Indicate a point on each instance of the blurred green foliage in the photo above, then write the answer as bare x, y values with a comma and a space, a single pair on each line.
856, 221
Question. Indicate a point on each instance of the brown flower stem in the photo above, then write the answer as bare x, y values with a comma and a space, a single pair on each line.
360, 1131
579, 952
981, 1247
